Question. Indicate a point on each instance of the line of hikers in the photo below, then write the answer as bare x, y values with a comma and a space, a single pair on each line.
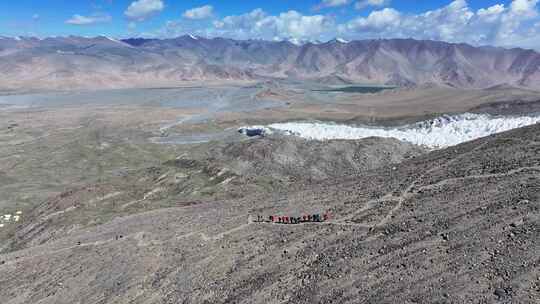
309, 218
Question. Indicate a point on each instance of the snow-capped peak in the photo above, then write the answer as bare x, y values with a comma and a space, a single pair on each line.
296, 41
116, 41
193, 37
113, 40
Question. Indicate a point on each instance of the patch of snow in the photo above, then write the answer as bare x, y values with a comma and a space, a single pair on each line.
118, 41
441, 132
114, 40
193, 37
18, 38
341, 40
296, 41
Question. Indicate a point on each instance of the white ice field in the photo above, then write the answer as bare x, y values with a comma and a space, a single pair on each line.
444, 131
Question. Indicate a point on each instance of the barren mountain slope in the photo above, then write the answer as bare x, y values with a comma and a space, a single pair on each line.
295, 159
100, 62
455, 225
209, 172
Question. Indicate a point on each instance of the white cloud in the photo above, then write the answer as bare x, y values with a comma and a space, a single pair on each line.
88, 20
141, 10
333, 3
287, 25
376, 21
492, 13
524, 8
516, 25
295, 25
202, 12
365, 3
243, 21
456, 22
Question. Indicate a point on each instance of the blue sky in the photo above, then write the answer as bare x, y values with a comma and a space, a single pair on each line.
497, 22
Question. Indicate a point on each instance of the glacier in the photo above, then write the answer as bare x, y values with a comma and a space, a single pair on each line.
441, 132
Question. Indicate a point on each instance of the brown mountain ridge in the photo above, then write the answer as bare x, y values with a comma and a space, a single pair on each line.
101, 62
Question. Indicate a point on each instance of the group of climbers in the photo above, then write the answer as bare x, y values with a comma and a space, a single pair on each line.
308, 218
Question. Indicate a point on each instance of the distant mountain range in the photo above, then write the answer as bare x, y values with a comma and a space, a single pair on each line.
101, 62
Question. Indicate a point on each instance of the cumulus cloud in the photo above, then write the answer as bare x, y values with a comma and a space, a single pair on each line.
456, 22
141, 10
288, 25
516, 24
88, 20
377, 21
492, 13
365, 3
202, 12
524, 7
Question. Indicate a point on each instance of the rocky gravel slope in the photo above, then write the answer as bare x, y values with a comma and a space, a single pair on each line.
459, 225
